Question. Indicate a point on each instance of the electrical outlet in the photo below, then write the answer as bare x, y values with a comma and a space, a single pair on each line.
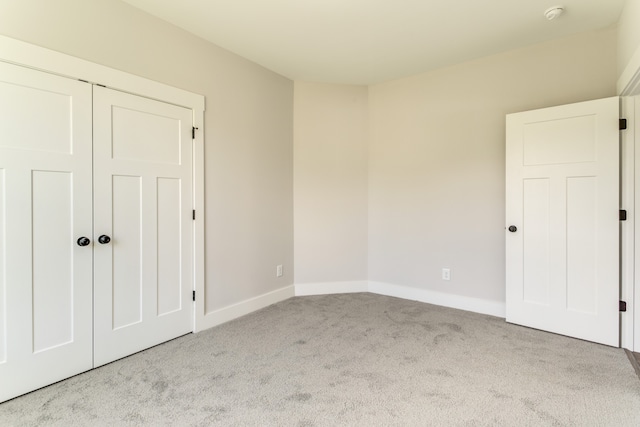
279, 271
446, 274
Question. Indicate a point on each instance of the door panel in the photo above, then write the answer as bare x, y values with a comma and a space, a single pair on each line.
567, 140
145, 137
562, 186
169, 238
47, 106
536, 241
142, 199
582, 253
52, 224
126, 250
45, 206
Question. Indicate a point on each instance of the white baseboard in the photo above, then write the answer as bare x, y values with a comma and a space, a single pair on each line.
225, 314
305, 289
477, 305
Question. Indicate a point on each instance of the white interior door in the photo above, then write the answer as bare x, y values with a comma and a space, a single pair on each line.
45, 207
143, 203
562, 196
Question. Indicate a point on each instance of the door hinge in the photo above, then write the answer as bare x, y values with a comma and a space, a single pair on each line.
193, 214
623, 215
193, 132
623, 124
623, 306
194, 295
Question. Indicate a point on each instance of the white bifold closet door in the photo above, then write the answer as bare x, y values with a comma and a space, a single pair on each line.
45, 207
142, 198
96, 231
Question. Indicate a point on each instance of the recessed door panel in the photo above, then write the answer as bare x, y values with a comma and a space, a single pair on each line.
145, 136
127, 251
52, 207
50, 113
536, 229
582, 251
170, 239
46, 192
563, 140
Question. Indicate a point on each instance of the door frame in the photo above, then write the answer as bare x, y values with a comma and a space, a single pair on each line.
49, 61
627, 233
628, 88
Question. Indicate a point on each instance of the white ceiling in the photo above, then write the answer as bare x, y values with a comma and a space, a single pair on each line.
370, 41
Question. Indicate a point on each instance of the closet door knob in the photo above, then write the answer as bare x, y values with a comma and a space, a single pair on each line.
104, 239
84, 241
513, 228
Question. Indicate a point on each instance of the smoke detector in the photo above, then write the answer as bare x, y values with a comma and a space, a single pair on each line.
553, 12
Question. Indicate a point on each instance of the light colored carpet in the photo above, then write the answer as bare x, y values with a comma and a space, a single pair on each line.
357, 360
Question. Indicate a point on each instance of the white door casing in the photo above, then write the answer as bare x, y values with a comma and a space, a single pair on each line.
143, 201
562, 195
45, 207
627, 227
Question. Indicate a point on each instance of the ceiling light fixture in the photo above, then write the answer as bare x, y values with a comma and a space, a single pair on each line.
553, 12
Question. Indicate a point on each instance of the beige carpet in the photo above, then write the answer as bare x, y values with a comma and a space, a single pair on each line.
356, 360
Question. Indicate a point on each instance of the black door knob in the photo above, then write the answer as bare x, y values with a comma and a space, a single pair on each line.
513, 228
84, 241
104, 239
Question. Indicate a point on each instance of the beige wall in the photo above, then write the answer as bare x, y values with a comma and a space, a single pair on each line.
436, 169
431, 192
248, 138
628, 33
330, 176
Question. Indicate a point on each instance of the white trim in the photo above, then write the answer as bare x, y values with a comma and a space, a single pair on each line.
629, 81
304, 289
199, 226
627, 228
634, 293
477, 305
49, 61
225, 314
